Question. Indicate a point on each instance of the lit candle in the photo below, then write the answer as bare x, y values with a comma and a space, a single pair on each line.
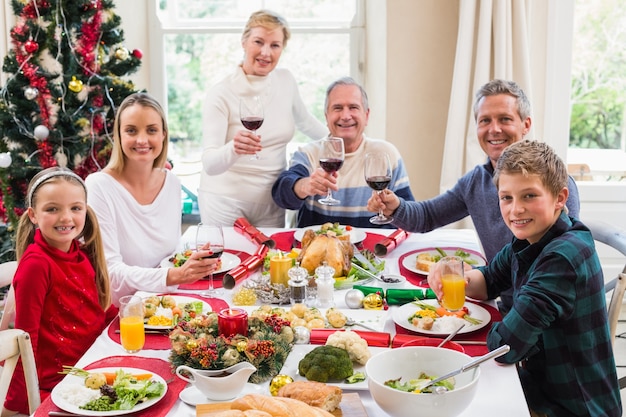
232, 321
279, 269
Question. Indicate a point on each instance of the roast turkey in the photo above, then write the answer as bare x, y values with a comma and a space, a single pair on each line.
317, 248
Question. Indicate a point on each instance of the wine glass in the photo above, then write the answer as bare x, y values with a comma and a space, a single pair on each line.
378, 177
251, 115
210, 237
331, 160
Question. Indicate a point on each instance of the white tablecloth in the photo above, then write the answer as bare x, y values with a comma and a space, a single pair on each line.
499, 389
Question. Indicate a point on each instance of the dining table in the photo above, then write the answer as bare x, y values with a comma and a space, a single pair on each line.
499, 389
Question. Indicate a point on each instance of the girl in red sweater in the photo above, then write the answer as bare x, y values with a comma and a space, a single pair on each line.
62, 296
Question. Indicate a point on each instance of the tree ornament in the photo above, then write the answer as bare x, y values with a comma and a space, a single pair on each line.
31, 93
302, 335
61, 158
373, 302
278, 382
5, 160
75, 85
31, 46
41, 132
137, 53
354, 298
122, 53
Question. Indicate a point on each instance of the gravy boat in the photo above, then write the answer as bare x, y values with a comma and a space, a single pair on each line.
221, 384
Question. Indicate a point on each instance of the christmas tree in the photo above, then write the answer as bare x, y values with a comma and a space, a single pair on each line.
58, 105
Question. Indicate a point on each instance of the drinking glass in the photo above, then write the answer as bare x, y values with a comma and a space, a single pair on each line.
210, 237
251, 115
378, 177
132, 334
453, 282
331, 160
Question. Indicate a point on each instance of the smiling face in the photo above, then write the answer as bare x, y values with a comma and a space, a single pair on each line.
60, 210
498, 124
528, 208
262, 50
345, 115
141, 132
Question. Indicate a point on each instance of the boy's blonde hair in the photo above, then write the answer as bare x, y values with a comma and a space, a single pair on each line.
530, 157
91, 237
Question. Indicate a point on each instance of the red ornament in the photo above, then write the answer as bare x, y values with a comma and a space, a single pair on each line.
31, 46
137, 53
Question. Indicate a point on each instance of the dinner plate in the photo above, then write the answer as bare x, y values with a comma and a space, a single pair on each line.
410, 259
192, 396
206, 308
67, 384
402, 314
229, 261
356, 235
299, 351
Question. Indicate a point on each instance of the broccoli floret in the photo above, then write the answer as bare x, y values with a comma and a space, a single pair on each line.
326, 363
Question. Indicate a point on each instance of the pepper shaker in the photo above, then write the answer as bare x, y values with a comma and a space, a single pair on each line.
297, 283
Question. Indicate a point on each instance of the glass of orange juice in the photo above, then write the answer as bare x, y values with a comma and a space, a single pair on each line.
132, 333
453, 282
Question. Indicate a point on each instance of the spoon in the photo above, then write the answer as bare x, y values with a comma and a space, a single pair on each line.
451, 335
493, 354
351, 322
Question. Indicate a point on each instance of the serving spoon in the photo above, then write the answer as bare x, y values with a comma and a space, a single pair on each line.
451, 335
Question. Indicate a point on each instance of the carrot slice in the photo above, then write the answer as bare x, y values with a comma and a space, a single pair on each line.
110, 377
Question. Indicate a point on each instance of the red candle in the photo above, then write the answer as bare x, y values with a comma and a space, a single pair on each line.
232, 321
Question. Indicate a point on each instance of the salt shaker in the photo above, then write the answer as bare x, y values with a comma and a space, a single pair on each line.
297, 284
325, 285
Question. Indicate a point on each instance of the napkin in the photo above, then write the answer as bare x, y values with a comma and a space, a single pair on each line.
389, 243
154, 365
161, 341
244, 269
402, 296
378, 339
243, 226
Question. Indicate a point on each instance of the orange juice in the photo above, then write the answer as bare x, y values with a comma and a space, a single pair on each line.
132, 333
453, 292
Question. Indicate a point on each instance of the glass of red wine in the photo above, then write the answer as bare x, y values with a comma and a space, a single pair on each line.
210, 237
331, 160
378, 177
251, 115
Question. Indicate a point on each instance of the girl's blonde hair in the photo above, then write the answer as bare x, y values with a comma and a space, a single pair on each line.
118, 159
269, 20
90, 235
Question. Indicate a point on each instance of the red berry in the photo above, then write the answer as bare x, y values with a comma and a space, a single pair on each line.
137, 53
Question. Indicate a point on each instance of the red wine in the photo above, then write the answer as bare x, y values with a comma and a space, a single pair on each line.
331, 164
252, 123
216, 252
379, 182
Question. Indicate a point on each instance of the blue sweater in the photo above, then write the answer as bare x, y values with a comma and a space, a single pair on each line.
353, 190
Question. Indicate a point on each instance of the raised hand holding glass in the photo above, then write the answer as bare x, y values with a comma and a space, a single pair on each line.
210, 237
378, 177
251, 115
331, 160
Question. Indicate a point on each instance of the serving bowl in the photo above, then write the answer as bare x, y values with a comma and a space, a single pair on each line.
433, 341
407, 363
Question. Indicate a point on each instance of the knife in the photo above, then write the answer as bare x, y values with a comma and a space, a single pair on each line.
366, 271
361, 258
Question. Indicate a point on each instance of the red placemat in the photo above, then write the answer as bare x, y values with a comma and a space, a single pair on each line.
161, 341
203, 284
154, 365
285, 241
403, 335
412, 277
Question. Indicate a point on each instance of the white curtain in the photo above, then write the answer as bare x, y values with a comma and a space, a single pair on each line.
527, 41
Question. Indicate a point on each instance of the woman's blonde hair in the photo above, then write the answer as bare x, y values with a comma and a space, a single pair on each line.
269, 20
91, 238
118, 159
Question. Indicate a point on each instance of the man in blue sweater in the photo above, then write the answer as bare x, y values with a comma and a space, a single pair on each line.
502, 113
298, 188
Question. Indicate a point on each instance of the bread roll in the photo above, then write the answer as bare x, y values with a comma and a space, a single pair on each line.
316, 394
277, 406
239, 413
424, 262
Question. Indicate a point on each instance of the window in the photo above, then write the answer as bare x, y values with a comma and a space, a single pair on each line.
598, 118
201, 42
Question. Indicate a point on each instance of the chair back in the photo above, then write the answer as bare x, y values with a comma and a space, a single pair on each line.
15, 344
7, 271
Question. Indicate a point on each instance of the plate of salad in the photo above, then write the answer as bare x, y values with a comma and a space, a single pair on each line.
108, 391
162, 312
420, 260
356, 235
227, 261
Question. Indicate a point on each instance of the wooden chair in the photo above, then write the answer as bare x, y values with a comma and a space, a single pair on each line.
580, 172
15, 344
7, 271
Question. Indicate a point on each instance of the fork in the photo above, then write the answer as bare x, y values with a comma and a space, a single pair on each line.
351, 322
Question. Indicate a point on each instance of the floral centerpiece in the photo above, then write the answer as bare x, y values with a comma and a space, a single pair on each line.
197, 344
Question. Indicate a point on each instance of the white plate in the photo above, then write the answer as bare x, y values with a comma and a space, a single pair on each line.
206, 308
410, 260
299, 351
401, 318
229, 261
193, 397
356, 235
70, 380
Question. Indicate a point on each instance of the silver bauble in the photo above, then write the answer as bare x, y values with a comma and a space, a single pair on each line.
5, 159
31, 93
41, 132
302, 335
354, 298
